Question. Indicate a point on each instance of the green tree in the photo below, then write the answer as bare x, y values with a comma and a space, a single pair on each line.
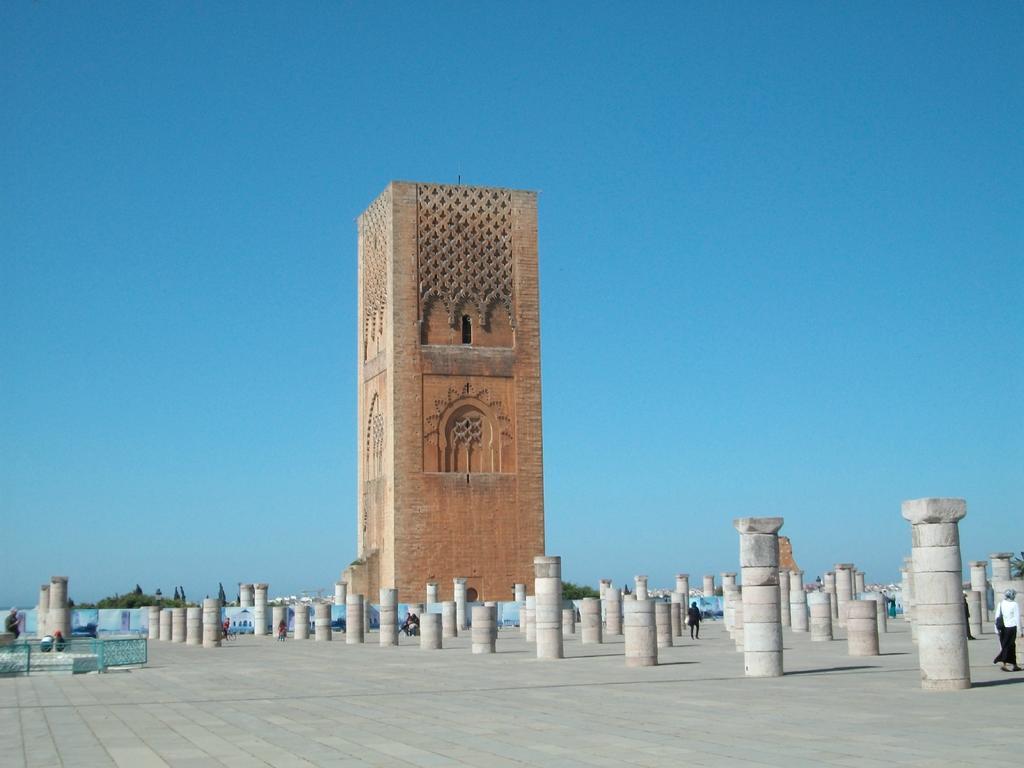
220, 594
572, 591
1017, 567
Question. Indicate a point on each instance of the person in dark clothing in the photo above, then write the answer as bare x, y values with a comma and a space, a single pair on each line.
11, 623
693, 619
967, 618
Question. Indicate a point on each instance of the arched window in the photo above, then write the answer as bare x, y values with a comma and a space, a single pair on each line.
467, 330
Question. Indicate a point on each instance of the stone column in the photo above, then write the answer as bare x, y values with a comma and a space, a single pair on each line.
529, 616
938, 599
388, 617
322, 622
979, 582
728, 579
178, 625
641, 633
42, 610
432, 593
730, 598
355, 620
301, 631
245, 595
676, 614
829, 585
211, 623
59, 617
976, 622
340, 592
613, 611
784, 598
819, 605
663, 624
640, 587
797, 602
737, 617
1000, 574
709, 586
844, 589
861, 628
430, 632
905, 589
683, 586
858, 583
194, 625
449, 627
568, 622
279, 613
259, 609
165, 625
762, 625
493, 605
483, 631
547, 590
590, 618
460, 602
154, 622
881, 615
519, 591
909, 602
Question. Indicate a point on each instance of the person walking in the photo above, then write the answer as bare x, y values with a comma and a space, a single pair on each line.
11, 623
967, 618
693, 619
1008, 627
282, 630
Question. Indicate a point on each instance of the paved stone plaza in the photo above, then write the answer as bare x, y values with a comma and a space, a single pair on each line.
259, 702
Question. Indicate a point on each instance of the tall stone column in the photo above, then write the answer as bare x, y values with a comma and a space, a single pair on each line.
640, 587
194, 625
301, 631
340, 592
1000, 574
640, 633
547, 589
861, 628
322, 631
568, 622
938, 599
709, 585
245, 596
797, 602
784, 598
676, 614
858, 583
737, 617
430, 632
829, 585
154, 622
529, 617
355, 619
590, 618
613, 611
59, 617
178, 625
449, 625
762, 625
844, 589
728, 579
388, 617
42, 610
909, 601
905, 589
279, 613
819, 604
165, 625
881, 616
663, 624
979, 582
683, 587
259, 609
211, 623
976, 621
432, 597
460, 602
483, 632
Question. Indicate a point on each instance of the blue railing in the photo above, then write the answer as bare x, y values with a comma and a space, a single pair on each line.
79, 654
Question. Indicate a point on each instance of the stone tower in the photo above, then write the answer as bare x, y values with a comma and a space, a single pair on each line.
451, 479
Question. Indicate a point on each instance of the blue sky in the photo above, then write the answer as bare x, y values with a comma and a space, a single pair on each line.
781, 273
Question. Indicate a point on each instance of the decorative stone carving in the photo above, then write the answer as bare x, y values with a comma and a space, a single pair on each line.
374, 440
375, 235
468, 431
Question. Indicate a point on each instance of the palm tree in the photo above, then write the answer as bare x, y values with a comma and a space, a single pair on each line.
1017, 567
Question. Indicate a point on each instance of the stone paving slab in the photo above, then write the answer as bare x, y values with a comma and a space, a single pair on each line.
258, 702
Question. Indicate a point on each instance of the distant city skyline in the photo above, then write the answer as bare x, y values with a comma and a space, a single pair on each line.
784, 240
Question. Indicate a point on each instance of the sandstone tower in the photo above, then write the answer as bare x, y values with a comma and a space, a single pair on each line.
451, 477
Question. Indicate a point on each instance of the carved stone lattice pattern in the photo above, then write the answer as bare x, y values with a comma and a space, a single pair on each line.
468, 430
374, 441
464, 244
467, 392
376, 234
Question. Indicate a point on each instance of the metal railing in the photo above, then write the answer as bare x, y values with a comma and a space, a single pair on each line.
79, 654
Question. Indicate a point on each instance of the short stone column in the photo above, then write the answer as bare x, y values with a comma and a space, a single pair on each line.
858, 583
663, 624
483, 632
59, 617
179, 625
430, 632
828, 585
449, 627
340, 592
259, 609
797, 602
819, 604
784, 614
975, 622
460, 602
908, 599
245, 595
568, 622
432, 595
844, 589
640, 633
165, 625
194, 625
709, 585
730, 598
640, 587
1000, 574
154, 622
737, 618
683, 586
211, 623
881, 614
905, 589
979, 583
493, 606
355, 619
613, 611
861, 628
762, 625
279, 613
519, 593
529, 612
301, 631
322, 622
590, 619
42, 610
676, 614
388, 617
938, 599
728, 579
547, 590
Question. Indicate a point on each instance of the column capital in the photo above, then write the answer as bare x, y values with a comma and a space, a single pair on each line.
978, 563
757, 524
934, 510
